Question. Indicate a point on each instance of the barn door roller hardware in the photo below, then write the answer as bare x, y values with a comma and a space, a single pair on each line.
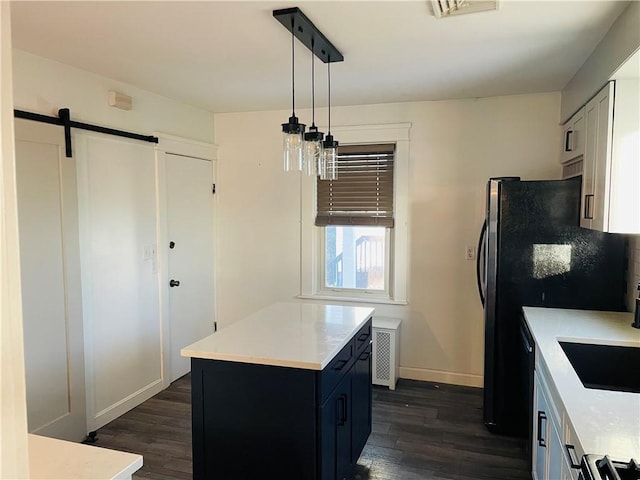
64, 119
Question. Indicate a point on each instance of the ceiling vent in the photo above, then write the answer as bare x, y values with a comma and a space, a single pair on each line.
448, 8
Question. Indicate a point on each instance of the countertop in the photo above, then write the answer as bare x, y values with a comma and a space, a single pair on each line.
50, 458
606, 422
298, 335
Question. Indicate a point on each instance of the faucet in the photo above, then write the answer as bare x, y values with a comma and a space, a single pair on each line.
636, 318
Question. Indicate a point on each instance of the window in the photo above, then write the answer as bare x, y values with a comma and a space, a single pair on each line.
354, 229
356, 258
356, 210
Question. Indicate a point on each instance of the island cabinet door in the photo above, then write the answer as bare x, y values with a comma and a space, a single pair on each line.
335, 432
361, 390
253, 421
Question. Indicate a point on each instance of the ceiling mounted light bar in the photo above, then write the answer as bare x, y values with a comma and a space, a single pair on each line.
304, 30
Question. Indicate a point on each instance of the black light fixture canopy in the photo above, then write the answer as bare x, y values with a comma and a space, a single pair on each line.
293, 126
304, 30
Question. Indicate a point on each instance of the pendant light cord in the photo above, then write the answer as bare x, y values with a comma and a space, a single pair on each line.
329, 94
293, 69
313, 87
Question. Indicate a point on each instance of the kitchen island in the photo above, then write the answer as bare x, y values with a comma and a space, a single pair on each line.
283, 393
589, 420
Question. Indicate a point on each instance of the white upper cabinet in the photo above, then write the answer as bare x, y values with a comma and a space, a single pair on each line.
611, 164
573, 137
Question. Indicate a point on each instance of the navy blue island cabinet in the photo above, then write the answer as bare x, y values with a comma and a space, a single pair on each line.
255, 421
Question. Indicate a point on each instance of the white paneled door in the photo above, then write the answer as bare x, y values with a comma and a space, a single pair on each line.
121, 300
51, 292
190, 254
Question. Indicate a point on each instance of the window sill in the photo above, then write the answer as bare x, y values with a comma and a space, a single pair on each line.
340, 298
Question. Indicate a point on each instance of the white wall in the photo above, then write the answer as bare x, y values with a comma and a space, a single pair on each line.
620, 42
455, 147
13, 417
43, 86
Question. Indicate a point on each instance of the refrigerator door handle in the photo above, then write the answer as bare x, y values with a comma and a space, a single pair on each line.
480, 270
491, 349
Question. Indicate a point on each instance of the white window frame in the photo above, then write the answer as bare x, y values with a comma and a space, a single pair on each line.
312, 237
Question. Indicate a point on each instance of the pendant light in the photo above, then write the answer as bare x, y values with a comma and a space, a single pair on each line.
329, 163
293, 130
313, 138
313, 158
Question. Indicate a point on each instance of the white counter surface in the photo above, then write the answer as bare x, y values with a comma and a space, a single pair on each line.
606, 422
50, 458
298, 335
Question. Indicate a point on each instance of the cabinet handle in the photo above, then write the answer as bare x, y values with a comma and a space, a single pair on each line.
363, 336
568, 141
340, 364
574, 463
364, 356
345, 411
541, 416
342, 410
588, 214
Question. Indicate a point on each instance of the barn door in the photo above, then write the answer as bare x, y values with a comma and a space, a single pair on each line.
51, 291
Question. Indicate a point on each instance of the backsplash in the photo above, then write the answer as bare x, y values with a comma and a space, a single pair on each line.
634, 270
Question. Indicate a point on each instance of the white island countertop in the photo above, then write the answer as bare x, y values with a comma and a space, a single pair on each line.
298, 335
606, 422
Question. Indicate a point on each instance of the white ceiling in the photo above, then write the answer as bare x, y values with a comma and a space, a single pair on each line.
229, 56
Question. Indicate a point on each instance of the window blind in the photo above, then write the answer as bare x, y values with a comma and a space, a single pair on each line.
363, 192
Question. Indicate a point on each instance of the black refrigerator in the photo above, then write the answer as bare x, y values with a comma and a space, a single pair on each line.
532, 252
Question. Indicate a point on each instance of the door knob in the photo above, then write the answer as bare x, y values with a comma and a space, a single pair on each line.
174, 283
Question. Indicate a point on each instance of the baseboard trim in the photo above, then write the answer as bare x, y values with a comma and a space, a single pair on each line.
439, 376
121, 407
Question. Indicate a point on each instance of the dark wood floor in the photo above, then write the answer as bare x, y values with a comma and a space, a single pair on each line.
420, 431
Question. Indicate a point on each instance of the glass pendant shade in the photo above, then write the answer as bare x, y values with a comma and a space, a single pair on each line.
292, 145
313, 150
329, 163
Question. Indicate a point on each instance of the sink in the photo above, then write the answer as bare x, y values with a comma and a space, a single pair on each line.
605, 367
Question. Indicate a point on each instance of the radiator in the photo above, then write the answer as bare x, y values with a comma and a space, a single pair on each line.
386, 351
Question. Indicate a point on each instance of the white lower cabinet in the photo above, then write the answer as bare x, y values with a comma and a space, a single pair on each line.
540, 432
573, 451
555, 459
556, 450
545, 446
